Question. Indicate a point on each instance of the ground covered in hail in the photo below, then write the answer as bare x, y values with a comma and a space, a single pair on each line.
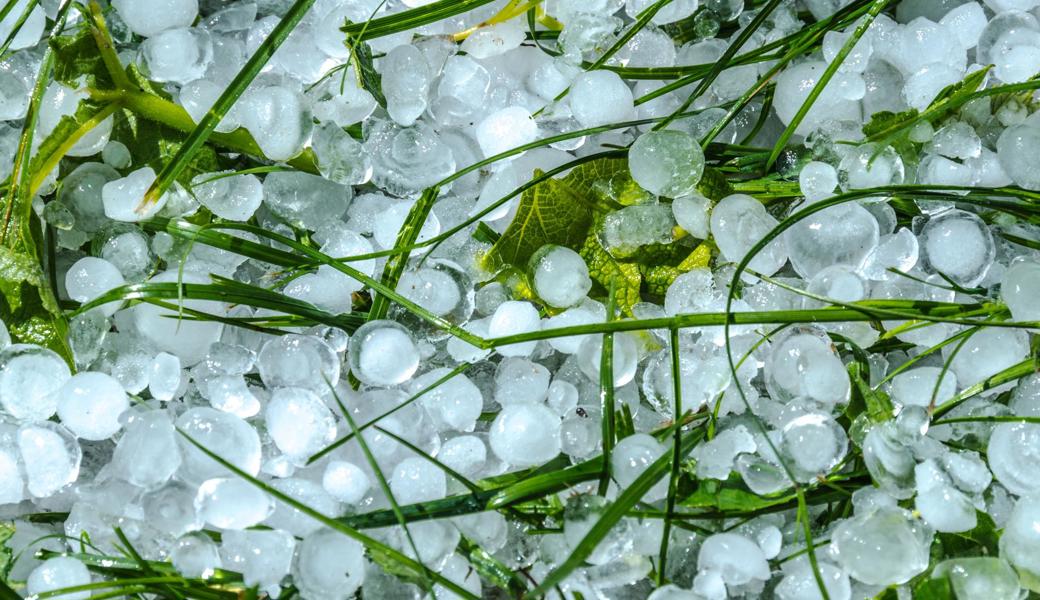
518, 299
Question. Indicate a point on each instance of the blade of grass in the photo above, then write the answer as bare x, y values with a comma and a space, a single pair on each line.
673, 480
606, 394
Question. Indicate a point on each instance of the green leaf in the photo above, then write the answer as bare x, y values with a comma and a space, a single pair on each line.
27, 303
624, 278
876, 403
491, 569
714, 185
983, 540
152, 143
77, 56
934, 589
558, 211
725, 498
7, 530
368, 77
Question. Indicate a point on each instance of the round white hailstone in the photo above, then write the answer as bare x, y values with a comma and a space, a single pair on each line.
524, 435
520, 380
735, 557
799, 582
626, 357
817, 180
738, 222
815, 443
987, 353
561, 277
30, 376
279, 119
466, 454
235, 198
387, 224
924, 84
345, 481
60, 101
187, 340
958, 244
966, 23
454, 404
600, 97
691, 292
406, 80
803, 363
1016, 149
29, 31
1020, 541
579, 315
149, 18
632, 456
303, 361
416, 479
882, 547
299, 422
329, 565
122, 197
1012, 453
164, 376
232, 503
514, 317
916, 387
844, 234
496, 39
195, 555
57, 573
176, 55
12, 484
506, 129
691, 213
666, 163
383, 353
562, 397
91, 277
672, 592
51, 457
793, 87
1020, 288
90, 405
223, 434
431, 289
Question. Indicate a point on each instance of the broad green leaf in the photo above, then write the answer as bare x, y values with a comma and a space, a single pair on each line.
624, 277
934, 589
78, 60
27, 303
876, 403
714, 185
364, 67
725, 498
556, 211
981, 541
7, 529
152, 143
491, 569
658, 277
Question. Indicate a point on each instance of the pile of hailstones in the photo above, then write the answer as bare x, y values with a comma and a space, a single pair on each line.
101, 444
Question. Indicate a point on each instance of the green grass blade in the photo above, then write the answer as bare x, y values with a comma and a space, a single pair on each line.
673, 480
606, 394
410, 19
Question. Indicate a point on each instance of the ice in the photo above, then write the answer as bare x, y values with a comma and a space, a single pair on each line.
715, 457
670, 13
57, 573
29, 31
942, 506
122, 197
432, 289
844, 234
520, 380
624, 231
1012, 454
514, 317
988, 352
328, 565
736, 558
917, 386
632, 456
525, 434
562, 397
814, 444
1015, 149
455, 404
233, 197
899, 251
51, 457
560, 276
345, 481
12, 483
223, 434
279, 119
692, 292
600, 97
465, 454
150, 18
738, 222
91, 277
188, 340
666, 163
306, 492
232, 503
406, 160
147, 454
195, 555
506, 129
90, 405
882, 547
802, 363
625, 357
966, 23
341, 158
981, 576
383, 353
793, 87
1020, 541
198, 96
461, 91
817, 181
959, 245
580, 514
416, 479
59, 101
1019, 288
164, 376
262, 557
30, 377
344, 105
176, 55
299, 422
799, 582
130, 254
170, 508
672, 592
406, 83
298, 361
303, 200
691, 213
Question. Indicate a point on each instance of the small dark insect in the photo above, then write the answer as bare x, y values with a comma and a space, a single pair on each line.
581, 412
